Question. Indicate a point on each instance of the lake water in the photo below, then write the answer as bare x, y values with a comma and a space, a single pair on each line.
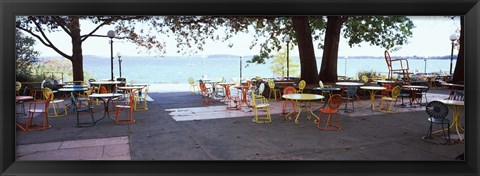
179, 69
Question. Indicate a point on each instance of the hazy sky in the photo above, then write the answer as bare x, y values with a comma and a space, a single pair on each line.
430, 38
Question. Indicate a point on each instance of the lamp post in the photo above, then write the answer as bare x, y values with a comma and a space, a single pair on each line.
346, 67
287, 39
119, 63
110, 35
240, 70
453, 37
425, 70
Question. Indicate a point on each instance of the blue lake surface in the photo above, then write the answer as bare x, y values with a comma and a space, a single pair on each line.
179, 69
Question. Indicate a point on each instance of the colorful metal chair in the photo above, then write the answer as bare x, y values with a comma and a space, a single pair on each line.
350, 95
301, 86
262, 105
273, 91
332, 108
391, 100
18, 86
207, 94
193, 87
78, 108
437, 111
129, 106
232, 101
142, 98
47, 92
37, 106
288, 90
38, 91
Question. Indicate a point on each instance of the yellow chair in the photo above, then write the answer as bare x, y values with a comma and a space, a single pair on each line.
263, 105
47, 92
193, 86
301, 86
142, 97
384, 77
18, 86
395, 92
271, 84
364, 78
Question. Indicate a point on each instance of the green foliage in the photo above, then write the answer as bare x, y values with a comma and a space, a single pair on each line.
279, 65
368, 73
52, 69
388, 32
26, 56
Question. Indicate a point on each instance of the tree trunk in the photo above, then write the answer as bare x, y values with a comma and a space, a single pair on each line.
328, 69
308, 64
77, 55
458, 74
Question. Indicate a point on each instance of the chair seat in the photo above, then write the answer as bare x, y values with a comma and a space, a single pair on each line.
84, 108
123, 106
262, 105
328, 110
439, 121
57, 101
36, 110
388, 99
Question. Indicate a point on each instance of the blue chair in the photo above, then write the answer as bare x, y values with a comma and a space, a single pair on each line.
350, 96
77, 108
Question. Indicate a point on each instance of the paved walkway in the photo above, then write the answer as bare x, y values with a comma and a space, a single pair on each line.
164, 133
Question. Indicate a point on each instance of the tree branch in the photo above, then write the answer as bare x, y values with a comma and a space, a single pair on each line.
62, 24
46, 42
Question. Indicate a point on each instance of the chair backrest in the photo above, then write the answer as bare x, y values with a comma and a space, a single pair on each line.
261, 88
351, 91
388, 59
364, 78
145, 91
74, 99
396, 91
424, 83
437, 110
191, 81
18, 86
384, 77
43, 84
103, 90
335, 101
202, 86
254, 103
247, 83
271, 84
301, 85
48, 93
320, 83
459, 95
289, 90
131, 100
388, 87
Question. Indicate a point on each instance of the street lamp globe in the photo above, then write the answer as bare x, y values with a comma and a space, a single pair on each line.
453, 37
111, 34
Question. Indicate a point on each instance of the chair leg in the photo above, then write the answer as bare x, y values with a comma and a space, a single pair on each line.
116, 115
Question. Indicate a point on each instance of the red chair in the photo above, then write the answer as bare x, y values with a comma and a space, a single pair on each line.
129, 106
37, 106
233, 101
332, 108
288, 90
207, 95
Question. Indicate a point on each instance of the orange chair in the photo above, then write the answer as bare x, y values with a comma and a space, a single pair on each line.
129, 106
403, 67
233, 101
207, 95
37, 106
332, 108
288, 90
